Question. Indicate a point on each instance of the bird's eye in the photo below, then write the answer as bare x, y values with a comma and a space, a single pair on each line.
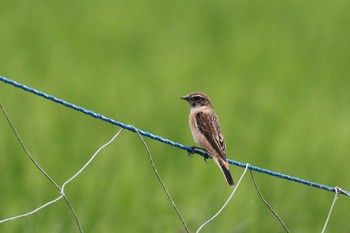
197, 98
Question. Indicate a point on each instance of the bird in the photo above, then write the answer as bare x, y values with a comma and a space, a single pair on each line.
206, 130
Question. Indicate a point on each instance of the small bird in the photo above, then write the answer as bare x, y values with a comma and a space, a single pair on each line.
206, 130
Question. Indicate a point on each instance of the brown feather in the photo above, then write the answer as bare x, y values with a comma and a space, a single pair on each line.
208, 125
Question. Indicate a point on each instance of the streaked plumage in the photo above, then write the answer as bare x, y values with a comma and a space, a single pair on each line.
206, 130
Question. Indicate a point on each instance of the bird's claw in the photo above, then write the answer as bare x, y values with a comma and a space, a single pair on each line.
206, 157
191, 152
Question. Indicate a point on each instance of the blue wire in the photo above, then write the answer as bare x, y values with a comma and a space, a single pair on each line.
166, 141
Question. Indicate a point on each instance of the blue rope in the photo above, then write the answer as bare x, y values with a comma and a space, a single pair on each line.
166, 141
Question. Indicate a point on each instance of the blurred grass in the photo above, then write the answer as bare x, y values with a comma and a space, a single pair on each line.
277, 73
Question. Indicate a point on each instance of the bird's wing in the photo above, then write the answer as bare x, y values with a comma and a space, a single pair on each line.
208, 124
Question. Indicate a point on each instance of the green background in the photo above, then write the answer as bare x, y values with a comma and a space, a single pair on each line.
277, 73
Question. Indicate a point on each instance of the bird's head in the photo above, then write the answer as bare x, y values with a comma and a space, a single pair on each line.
197, 99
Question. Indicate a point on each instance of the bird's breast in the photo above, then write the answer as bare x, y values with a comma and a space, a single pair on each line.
193, 126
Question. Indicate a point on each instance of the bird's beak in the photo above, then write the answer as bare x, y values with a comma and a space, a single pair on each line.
184, 97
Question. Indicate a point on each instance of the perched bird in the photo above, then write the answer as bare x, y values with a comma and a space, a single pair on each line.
206, 130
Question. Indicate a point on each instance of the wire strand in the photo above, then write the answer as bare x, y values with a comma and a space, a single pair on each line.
31, 212
228, 200
164, 140
331, 209
61, 189
42, 171
160, 180
267, 204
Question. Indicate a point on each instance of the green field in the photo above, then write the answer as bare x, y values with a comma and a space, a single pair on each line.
277, 73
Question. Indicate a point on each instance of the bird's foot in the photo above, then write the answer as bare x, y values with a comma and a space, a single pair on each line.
193, 148
191, 152
206, 157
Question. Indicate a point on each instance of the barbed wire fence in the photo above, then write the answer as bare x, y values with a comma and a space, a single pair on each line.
142, 133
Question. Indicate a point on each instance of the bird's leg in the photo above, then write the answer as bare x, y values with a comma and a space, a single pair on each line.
206, 156
190, 153
193, 148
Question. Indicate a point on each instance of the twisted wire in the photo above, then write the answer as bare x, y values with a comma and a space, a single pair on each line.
164, 140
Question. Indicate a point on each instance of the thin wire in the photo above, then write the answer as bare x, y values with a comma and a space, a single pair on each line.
25, 148
61, 190
228, 200
33, 211
41, 169
342, 191
90, 160
164, 140
49, 178
160, 180
267, 204
331, 209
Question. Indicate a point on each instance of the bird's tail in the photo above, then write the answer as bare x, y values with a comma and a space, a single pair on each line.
225, 171
227, 175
